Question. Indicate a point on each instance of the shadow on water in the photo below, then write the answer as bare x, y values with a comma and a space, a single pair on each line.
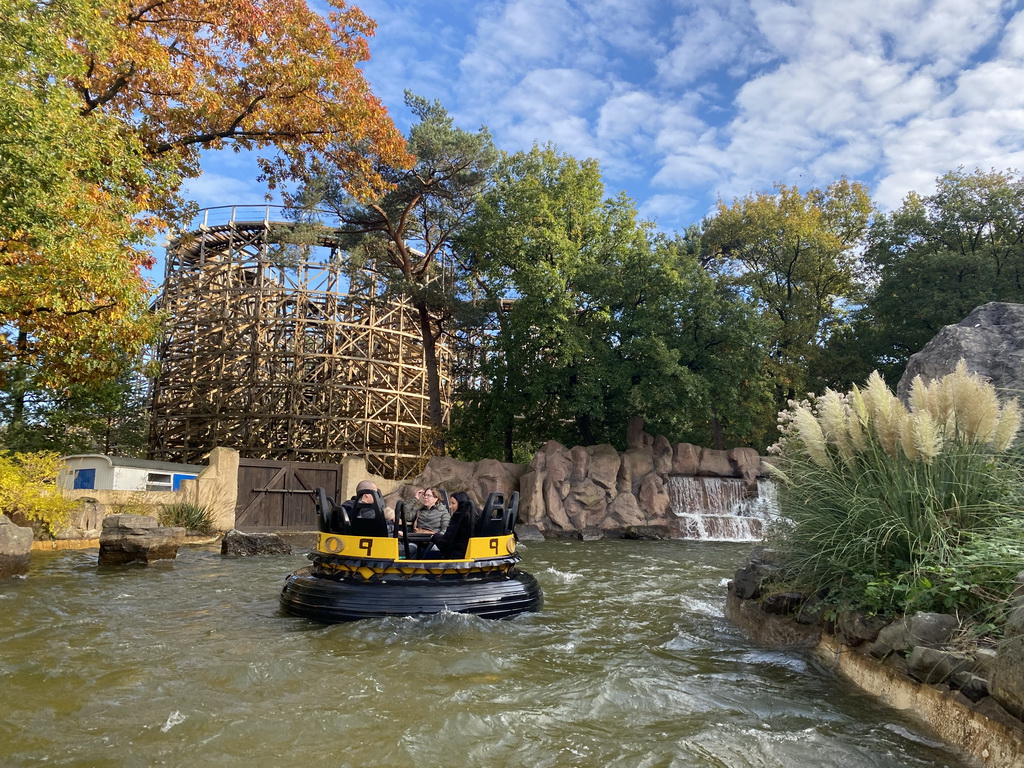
630, 663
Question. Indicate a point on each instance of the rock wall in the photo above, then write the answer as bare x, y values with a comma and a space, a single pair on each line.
594, 491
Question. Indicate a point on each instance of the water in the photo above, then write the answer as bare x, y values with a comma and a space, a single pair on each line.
720, 509
630, 663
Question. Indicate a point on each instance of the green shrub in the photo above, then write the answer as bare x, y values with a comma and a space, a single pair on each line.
185, 514
893, 509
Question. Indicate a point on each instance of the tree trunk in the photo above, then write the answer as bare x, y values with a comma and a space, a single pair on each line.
434, 408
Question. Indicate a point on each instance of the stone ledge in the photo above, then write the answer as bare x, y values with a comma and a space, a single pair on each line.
992, 741
984, 731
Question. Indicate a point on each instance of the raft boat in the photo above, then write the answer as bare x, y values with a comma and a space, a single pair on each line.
363, 568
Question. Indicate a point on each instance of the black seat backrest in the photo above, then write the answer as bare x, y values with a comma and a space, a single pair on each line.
498, 518
330, 518
368, 519
442, 496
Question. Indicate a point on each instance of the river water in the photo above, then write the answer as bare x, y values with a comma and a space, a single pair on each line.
630, 663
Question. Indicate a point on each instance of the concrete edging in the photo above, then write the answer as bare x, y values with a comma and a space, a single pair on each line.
949, 714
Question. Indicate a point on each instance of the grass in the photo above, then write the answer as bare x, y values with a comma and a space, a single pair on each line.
891, 509
194, 517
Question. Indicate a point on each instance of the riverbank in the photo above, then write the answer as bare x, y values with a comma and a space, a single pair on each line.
982, 730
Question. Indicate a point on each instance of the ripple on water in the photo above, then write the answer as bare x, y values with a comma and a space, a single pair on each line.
629, 664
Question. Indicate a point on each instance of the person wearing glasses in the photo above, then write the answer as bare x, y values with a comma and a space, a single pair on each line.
432, 515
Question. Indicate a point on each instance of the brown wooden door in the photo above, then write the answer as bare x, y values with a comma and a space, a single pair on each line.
279, 494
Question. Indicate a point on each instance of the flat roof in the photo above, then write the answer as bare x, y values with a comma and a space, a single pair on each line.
128, 461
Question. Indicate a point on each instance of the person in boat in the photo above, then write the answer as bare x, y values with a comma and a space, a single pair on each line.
365, 491
432, 516
464, 516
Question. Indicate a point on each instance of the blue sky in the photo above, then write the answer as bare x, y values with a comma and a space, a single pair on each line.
686, 101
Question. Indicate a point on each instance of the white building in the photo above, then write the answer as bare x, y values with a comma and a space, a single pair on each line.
94, 471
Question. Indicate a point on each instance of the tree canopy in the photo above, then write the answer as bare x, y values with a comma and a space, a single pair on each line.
596, 317
104, 108
795, 255
935, 259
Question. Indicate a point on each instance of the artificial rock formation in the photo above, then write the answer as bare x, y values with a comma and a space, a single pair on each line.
594, 491
239, 544
15, 546
988, 339
137, 539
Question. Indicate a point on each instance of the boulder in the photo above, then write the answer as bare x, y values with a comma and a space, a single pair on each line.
653, 496
929, 630
604, 466
1007, 680
662, 451
988, 340
137, 539
527, 532
714, 463
934, 666
760, 567
685, 459
15, 548
855, 628
238, 544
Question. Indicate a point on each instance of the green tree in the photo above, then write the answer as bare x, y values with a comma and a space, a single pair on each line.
406, 234
596, 317
796, 256
934, 260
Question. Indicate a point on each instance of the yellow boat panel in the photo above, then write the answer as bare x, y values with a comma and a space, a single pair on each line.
378, 548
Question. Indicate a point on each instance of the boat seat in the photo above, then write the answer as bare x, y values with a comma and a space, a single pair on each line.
330, 518
499, 517
368, 519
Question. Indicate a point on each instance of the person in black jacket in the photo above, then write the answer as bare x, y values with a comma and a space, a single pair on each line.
448, 543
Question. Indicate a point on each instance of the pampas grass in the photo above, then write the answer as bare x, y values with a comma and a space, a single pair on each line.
876, 493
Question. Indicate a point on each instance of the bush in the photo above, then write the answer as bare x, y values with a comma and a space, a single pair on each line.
894, 509
28, 491
194, 517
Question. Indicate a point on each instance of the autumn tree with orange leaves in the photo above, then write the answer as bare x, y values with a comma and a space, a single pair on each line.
104, 109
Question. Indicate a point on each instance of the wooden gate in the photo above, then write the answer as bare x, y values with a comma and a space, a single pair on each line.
279, 494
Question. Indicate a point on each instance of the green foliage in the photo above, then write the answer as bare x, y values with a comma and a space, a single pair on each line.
597, 318
185, 514
28, 490
934, 260
405, 235
795, 256
891, 509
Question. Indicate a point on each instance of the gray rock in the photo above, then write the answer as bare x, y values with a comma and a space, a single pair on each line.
137, 539
934, 666
855, 628
929, 630
759, 568
15, 548
647, 532
238, 544
988, 339
529, 533
1007, 678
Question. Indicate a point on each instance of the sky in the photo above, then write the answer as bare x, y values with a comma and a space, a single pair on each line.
685, 102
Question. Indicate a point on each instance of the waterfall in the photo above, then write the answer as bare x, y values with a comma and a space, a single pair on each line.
720, 509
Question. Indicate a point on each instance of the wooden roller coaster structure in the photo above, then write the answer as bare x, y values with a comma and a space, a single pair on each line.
286, 351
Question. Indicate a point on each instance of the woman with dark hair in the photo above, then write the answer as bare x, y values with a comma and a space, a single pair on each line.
459, 530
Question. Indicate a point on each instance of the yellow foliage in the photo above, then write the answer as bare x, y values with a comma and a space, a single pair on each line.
28, 490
